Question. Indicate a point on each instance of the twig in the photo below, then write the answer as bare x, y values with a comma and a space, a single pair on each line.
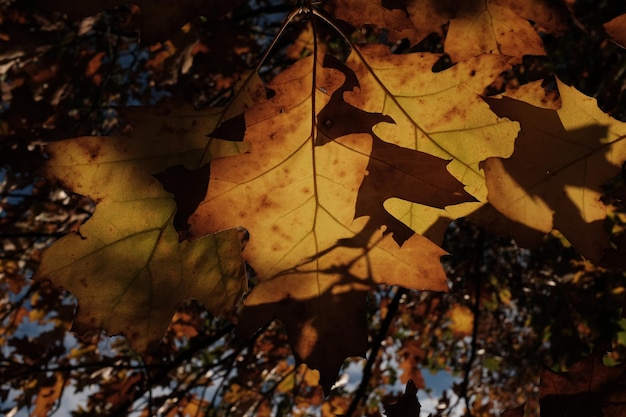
377, 344
476, 274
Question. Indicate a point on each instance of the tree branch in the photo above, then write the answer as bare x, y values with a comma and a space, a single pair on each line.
377, 344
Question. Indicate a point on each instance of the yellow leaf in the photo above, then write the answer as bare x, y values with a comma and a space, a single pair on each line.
562, 157
126, 265
325, 155
462, 320
441, 114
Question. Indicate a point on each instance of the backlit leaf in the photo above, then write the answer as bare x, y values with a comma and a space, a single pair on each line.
312, 188
562, 157
440, 114
126, 265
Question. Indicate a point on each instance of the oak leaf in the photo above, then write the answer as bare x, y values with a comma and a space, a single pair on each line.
493, 27
562, 157
431, 16
126, 265
441, 114
312, 188
475, 27
412, 354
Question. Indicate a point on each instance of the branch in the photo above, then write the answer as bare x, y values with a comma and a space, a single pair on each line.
380, 337
476, 274
122, 409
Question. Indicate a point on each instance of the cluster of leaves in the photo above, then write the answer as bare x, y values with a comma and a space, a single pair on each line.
344, 162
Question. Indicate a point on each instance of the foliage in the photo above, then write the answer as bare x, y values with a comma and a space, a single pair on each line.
320, 174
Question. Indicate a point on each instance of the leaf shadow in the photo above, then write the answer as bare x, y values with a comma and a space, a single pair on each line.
323, 331
548, 159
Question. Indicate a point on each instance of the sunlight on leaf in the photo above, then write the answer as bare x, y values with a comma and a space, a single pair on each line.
440, 114
126, 264
296, 192
562, 157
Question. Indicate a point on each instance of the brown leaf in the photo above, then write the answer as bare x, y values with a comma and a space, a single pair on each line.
189, 188
493, 26
372, 12
548, 16
561, 159
412, 176
490, 27
412, 355
322, 330
430, 16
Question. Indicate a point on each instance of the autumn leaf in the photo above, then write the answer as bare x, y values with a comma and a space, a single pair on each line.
502, 27
431, 16
160, 18
412, 354
311, 191
361, 13
295, 191
461, 320
126, 265
495, 28
616, 29
562, 157
439, 114
475, 27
